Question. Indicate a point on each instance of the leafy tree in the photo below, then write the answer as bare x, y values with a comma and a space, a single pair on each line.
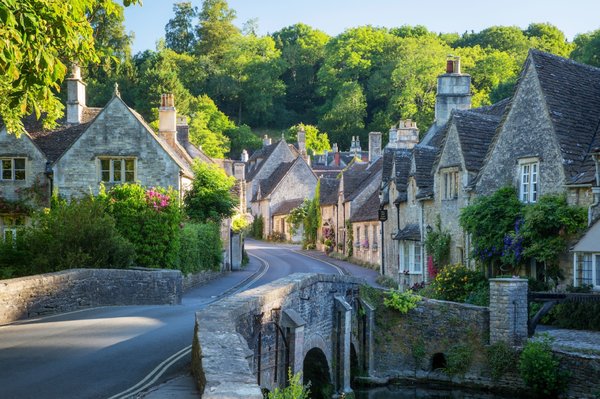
241, 138
504, 38
302, 51
312, 221
347, 114
207, 127
547, 37
215, 29
179, 31
38, 36
210, 198
316, 142
587, 48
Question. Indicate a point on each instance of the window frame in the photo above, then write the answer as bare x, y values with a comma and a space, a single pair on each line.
13, 169
589, 275
411, 252
123, 171
529, 180
449, 186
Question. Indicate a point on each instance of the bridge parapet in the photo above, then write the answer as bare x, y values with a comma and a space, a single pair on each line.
249, 340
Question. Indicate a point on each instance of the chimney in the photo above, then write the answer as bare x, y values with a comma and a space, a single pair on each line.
75, 96
302, 140
374, 146
239, 170
167, 121
183, 130
244, 157
407, 134
453, 91
336, 155
266, 140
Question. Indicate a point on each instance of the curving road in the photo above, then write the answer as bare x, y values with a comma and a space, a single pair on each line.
115, 352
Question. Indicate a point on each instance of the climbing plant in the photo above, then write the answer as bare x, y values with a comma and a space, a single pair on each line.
312, 221
349, 238
437, 244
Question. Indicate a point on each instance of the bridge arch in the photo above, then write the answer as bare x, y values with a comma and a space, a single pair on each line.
316, 370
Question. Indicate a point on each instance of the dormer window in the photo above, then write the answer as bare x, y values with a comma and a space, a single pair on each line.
528, 180
12, 168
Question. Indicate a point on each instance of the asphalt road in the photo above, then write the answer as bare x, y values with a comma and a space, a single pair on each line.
103, 352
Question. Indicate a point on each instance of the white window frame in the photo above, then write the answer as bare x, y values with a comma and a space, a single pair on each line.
13, 169
411, 252
122, 169
529, 180
594, 277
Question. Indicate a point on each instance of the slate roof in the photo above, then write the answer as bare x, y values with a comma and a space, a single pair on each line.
424, 157
572, 94
476, 131
329, 191
268, 185
409, 233
402, 165
263, 153
53, 143
372, 172
368, 211
496, 109
191, 149
285, 207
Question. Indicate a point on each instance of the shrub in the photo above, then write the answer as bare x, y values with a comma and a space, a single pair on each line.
257, 227
149, 219
457, 282
387, 282
501, 358
480, 295
295, 389
540, 370
75, 234
458, 359
276, 236
239, 223
403, 302
200, 248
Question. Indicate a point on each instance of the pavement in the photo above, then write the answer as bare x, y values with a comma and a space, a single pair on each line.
183, 386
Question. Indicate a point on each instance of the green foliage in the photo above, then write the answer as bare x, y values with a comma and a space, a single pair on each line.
38, 36
75, 234
316, 142
458, 359
349, 238
200, 248
210, 197
347, 113
242, 138
179, 31
295, 389
437, 244
489, 219
298, 215
312, 220
575, 315
587, 48
501, 358
403, 302
276, 236
208, 126
540, 370
549, 226
239, 223
387, 282
215, 29
457, 283
149, 219
257, 227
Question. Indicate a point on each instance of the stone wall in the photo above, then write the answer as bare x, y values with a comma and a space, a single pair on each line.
193, 280
226, 331
69, 290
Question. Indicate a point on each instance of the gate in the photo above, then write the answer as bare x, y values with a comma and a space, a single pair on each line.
550, 299
271, 353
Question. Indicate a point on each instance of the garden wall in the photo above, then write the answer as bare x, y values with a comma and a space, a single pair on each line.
69, 290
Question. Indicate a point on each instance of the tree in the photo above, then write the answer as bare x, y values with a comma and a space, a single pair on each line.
241, 138
587, 48
316, 142
179, 31
215, 29
39, 38
207, 127
547, 37
347, 114
210, 197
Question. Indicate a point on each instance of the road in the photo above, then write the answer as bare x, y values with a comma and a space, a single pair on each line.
103, 352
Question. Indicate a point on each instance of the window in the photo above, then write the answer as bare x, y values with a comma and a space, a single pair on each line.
588, 269
12, 168
411, 259
10, 226
528, 189
450, 185
117, 170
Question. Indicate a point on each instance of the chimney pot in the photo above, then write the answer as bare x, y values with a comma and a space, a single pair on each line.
167, 119
75, 96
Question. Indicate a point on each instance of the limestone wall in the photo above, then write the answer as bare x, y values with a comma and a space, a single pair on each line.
68, 290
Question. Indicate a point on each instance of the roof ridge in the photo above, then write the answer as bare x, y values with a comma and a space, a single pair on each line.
536, 52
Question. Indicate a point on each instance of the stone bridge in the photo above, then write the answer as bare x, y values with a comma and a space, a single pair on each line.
310, 323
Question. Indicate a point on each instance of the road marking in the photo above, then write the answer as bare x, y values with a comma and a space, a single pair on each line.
156, 373
339, 270
159, 370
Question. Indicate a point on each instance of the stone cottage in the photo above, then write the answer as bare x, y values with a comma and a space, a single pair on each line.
545, 142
